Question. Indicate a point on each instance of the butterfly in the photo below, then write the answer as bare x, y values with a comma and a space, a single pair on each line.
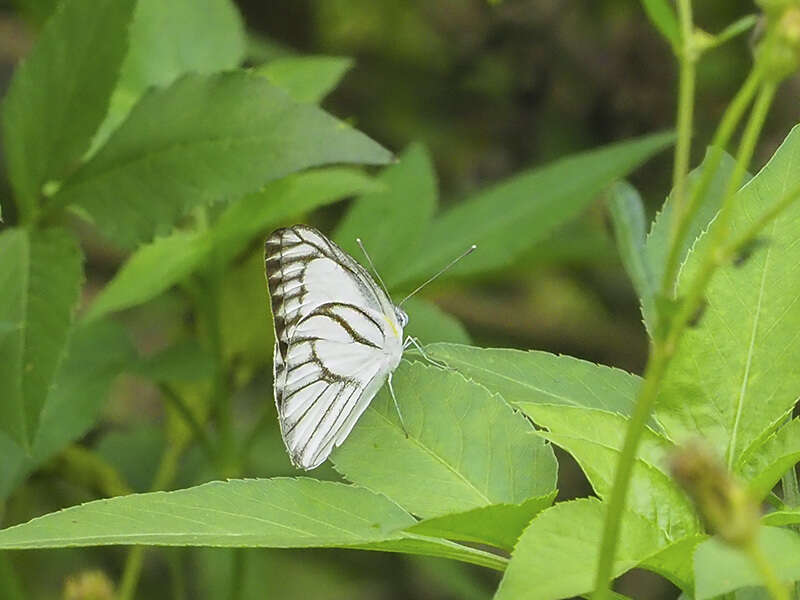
338, 339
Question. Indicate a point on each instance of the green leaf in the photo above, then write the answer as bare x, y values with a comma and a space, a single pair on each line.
168, 40
627, 213
497, 525
60, 92
266, 513
465, 449
40, 279
781, 518
94, 356
306, 78
201, 140
541, 377
184, 361
720, 568
556, 557
278, 201
675, 561
659, 237
595, 439
392, 223
734, 377
510, 217
766, 464
662, 16
151, 270
165, 262
429, 323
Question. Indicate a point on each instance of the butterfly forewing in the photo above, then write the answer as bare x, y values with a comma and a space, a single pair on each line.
336, 340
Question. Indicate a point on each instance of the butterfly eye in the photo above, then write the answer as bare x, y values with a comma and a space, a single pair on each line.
402, 317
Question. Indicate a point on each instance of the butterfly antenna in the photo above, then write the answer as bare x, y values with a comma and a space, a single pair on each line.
464, 254
372, 266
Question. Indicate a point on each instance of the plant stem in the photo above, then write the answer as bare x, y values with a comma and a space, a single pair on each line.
686, 86
720, 251
186, 413
731, 118
237, 574
776, 589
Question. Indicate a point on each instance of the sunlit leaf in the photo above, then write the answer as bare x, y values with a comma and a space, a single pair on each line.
306, 78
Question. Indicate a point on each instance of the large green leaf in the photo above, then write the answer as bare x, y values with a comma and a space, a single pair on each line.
40, 278
201, 140
595, 439
734, 377
766, 464
306, 78
720, 568
658, 238
556, 557
60, 93
391, 223
541, 377
94, 356
627, 213
266, 513
498, 525
170, 39
466, 448
157, 266
511, 216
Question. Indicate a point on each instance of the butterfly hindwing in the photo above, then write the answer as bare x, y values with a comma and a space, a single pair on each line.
337, 339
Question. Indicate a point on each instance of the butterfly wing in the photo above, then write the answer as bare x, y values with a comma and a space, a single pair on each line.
336, 340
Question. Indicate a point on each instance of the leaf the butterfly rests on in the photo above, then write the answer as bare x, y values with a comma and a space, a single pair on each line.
337, 338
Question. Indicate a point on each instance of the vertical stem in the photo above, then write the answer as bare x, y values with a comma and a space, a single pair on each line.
237, 573
731, 118
686, 87
773, 585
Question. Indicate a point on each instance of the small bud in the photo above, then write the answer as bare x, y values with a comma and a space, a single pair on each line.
779, 51
724, 504
88, 585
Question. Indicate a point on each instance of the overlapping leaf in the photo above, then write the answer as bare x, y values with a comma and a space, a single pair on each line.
306, 78
734, 377
201, 140
60, 93
466, 448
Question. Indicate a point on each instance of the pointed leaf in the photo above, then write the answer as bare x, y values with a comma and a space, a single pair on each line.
59, 94
659, 237
466, 447
391, 223
734, 376
40, 278
541, 377
266, 513
720, 568
511, 216
556, 557
306, 78
765, 465
595, 439
94, 356
662, 16
204, 139
168, 40
627, 212
498, 525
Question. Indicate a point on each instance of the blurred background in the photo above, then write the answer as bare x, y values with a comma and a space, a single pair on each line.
491, 89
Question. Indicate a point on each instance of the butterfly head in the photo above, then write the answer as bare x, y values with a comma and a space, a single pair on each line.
402, 317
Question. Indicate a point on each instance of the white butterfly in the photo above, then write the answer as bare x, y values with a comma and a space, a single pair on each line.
338, 338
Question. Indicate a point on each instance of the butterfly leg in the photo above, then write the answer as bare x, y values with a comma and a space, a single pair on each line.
411, 341
397, 406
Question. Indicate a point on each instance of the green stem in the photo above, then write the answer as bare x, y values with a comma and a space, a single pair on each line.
83, 466
238, 572
663, 350
686, 86
174, 399
731, 118
776, 589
